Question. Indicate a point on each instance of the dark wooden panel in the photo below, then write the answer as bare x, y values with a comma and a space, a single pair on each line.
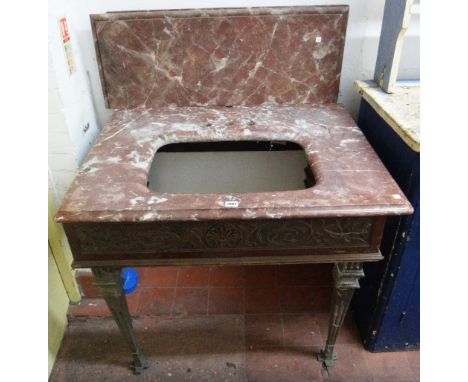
224, 235
195, 240
251, 258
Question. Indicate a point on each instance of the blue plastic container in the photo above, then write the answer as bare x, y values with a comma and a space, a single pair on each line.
130, 280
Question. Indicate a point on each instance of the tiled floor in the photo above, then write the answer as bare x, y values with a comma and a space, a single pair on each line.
224, 324
219, 290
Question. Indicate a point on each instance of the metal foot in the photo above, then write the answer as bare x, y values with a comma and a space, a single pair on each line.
328, 360
139, 363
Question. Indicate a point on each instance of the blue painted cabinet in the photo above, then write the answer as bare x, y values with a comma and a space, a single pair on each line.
386, 308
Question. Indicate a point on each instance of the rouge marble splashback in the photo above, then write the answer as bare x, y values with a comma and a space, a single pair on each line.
220, 57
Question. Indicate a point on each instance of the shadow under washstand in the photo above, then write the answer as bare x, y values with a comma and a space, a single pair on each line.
201, 348
193, 348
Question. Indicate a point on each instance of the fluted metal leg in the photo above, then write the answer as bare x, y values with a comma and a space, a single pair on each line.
110, 282
346, 276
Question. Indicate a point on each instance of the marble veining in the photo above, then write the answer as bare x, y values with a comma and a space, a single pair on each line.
261, 74
226, 75
220, 57
350, 178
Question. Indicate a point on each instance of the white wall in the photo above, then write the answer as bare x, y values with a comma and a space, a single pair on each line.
62, 159
87, 105
73, 100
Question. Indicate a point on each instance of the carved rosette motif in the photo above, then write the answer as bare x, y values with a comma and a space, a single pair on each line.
225, 235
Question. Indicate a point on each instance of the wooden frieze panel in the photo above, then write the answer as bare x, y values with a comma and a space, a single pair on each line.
224, 235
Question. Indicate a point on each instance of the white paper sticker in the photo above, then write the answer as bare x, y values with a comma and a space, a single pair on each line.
231, 203
318, 39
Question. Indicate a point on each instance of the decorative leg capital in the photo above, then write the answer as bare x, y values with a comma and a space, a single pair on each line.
347, 275
109, 281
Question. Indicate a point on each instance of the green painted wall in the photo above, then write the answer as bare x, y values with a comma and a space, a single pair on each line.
58, 305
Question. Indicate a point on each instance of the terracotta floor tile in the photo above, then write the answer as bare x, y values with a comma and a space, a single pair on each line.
389, 366
190, 301
414, 362
302, 274
97, 307
141, 272
348, 334
133, 302
196, 348
89, 307
203, 348
261, 276
93, 350
351, 365
301, 330
159, 277
322, 275
218, 348
85, 282
227, 276
282, 365
304, 299
245, 337
226, 300
261, 300
322, 296
194, 276
263, 330
196, 333
156, 301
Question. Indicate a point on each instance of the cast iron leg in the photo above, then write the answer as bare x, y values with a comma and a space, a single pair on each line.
110, 282
346, 276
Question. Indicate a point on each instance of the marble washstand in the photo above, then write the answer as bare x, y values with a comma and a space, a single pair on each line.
258, 80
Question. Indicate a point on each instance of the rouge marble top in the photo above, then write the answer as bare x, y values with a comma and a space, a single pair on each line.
350, 178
